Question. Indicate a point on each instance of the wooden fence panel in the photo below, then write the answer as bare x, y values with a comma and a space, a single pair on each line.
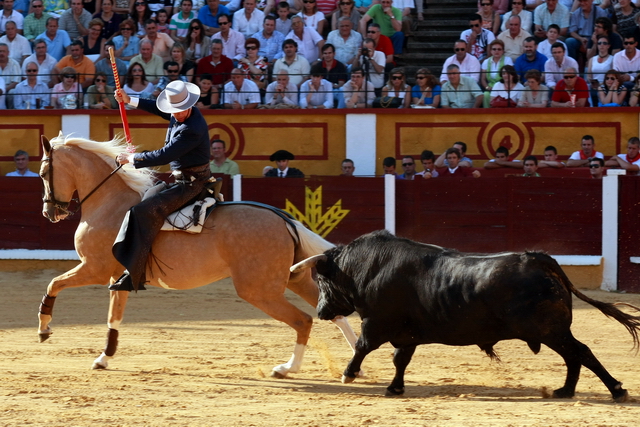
629, 209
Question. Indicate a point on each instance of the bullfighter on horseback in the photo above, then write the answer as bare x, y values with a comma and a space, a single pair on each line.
186, 148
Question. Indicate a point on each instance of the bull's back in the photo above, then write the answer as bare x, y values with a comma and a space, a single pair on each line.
473, 299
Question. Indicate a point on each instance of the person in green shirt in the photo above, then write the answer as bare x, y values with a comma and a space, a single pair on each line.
390, 20
35, 23
220, 163
530, 166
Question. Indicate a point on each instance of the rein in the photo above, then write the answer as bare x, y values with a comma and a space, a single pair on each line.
64, 206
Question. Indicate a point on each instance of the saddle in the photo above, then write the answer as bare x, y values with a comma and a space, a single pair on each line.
191, 217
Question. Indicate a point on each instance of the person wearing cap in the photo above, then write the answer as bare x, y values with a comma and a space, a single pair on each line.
282, 169
186, 149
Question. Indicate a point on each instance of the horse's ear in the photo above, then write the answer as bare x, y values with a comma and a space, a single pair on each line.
46, 145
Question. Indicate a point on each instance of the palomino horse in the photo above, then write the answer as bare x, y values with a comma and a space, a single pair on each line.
253, 246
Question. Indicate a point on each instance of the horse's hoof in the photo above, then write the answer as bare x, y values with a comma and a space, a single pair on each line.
347, 380
621, 398
43, 336
98, 365
394, 392
278, 375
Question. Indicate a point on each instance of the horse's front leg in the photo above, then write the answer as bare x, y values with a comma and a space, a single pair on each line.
81, 275
117, 304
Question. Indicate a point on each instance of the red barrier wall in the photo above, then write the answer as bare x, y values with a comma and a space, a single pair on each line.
629, 209
559, 215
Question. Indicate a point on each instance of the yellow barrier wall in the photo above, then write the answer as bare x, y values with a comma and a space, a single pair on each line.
319, 139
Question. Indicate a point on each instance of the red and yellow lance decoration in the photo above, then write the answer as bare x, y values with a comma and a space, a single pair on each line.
123, 112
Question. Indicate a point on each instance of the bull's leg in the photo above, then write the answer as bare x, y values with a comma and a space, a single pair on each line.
401, 358
577, 354
117, 304
366, 343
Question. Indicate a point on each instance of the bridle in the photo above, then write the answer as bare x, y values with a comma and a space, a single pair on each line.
64, 206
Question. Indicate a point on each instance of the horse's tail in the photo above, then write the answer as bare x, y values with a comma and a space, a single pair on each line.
309, 243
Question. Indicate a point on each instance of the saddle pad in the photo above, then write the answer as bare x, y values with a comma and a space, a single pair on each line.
183, 220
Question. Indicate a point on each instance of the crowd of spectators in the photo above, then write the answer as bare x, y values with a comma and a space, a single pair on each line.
312, 54
454, 162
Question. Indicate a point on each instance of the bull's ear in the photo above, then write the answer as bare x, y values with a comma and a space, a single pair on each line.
46, 145
307, 263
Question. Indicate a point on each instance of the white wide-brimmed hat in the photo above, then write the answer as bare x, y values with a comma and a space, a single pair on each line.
178, 96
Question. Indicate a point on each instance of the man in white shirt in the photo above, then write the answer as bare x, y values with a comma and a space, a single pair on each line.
232, 41
281, 91
627, 61
240, 93
308, 39
317, 92
555, 67
587, 151
21, 159
372, 63
296, 65
46, 63
19, 46
468, 64
629, 161
248, 20
9, 14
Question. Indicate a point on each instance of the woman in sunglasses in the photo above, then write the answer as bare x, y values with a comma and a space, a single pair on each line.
426, 92
68, 93
140, 12
346, 8
312, 17
398, 88
109, 18
490, 17
611, 93
254, 65
100, 95
491, 67
598, 65
127, 45
198, 44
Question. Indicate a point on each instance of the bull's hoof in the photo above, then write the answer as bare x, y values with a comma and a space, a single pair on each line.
621, 396
43, 336
347, 380
561, 393
278, 375
394, 392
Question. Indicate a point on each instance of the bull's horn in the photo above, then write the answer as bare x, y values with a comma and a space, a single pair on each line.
307, 263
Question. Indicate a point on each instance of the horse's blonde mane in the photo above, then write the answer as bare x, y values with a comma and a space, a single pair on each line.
139, 180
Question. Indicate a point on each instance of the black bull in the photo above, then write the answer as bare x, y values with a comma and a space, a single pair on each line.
408, 293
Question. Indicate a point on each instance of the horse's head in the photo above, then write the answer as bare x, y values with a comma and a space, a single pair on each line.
54, 207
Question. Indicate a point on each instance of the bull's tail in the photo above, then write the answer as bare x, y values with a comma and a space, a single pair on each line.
632, 323
309, 243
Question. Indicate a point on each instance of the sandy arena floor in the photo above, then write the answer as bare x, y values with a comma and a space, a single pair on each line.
203, 358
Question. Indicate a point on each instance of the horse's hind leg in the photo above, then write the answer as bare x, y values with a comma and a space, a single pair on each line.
303, 285
117, 304
272, 302
575, 355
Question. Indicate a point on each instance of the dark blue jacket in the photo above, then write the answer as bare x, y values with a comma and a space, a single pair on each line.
186, 144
